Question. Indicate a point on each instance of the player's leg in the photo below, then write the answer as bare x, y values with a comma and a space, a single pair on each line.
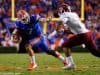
90, 45
70, 61
33, 64
54, 53
73, 41
97, 41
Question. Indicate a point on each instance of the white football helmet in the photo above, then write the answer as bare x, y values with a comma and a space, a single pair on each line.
23, 16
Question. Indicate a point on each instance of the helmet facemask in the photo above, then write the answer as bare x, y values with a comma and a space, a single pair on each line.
23, 16
25, 19
64, 8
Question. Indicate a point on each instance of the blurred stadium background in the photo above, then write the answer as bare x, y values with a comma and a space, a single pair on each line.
90, 15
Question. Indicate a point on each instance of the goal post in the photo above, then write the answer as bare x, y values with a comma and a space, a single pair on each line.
82, 11
54, 19
13, 10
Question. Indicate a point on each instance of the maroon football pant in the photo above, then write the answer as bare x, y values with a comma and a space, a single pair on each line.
84, 38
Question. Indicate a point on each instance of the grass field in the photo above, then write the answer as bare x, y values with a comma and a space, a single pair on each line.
16, 64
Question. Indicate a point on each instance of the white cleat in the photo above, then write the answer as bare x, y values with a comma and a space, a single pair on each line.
69, 67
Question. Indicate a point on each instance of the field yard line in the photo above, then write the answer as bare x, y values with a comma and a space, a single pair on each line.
51, 68
10, 73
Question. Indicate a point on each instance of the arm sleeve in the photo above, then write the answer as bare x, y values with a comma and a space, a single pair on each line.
17, 24
64, 20
36, 17
39, 30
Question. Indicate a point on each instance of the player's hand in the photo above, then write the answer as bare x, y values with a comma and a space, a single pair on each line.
49, 18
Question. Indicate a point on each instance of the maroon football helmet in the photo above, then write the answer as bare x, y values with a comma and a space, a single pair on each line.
64, 8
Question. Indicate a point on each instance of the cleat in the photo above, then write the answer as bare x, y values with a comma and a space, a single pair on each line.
32, 66
65, 63
69, 67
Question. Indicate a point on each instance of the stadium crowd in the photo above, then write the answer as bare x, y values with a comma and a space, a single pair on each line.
45, 9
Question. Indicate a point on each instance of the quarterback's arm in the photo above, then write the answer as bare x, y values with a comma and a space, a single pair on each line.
39, 18
44, 19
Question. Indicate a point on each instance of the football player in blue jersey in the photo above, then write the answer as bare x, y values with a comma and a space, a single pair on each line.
30, 27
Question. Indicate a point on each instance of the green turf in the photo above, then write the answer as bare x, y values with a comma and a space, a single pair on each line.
16, 64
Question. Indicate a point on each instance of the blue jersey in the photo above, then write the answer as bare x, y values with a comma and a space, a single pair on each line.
32, 29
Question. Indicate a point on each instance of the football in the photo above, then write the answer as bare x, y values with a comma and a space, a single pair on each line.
15, 38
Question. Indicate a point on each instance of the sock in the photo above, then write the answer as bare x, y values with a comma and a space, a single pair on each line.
61, 58
70, 59
32, 59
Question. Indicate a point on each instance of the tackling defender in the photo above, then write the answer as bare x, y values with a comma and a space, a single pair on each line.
30, 27
81, 35
63, 35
